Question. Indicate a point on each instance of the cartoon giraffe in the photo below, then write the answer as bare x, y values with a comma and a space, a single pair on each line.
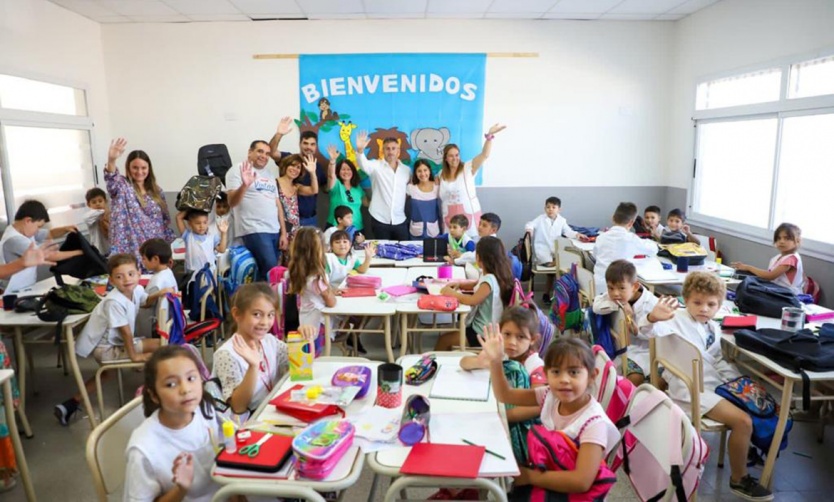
344, 134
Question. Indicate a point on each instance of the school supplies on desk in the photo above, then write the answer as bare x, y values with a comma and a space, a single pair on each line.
262, 452
353, 376
300, 355
732, 322
452, 382
444, 460
422, 371
303, 411
485, 429
400, 290
816, 313
320, 447
377, 424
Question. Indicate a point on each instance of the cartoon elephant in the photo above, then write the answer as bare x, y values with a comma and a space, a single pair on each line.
429, 143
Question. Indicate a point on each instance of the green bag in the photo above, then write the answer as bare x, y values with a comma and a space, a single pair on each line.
67, 300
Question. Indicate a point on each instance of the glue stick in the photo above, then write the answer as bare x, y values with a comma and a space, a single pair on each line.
229, 437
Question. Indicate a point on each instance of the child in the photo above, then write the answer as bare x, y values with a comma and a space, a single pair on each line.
222, 211
308, 278
424, 193
110, 333
170, 455
704, 294
566, 405
98, 219
200, 245
459, 240
619, 243
785, 269
340, 262
344, 223
26, 230
156, 258
491, 293
627, 294
677, 231
544, 230
651, 217
253, 360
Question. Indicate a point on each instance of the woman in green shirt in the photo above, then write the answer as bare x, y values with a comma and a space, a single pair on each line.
344, 189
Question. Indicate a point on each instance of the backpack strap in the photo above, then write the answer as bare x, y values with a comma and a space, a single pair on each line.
676, 417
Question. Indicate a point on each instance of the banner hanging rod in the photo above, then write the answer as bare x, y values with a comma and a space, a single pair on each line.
489, 54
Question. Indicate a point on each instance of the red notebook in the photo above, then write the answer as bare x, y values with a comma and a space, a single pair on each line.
274, 452
305, 412
358, 292
739, 322
444, 460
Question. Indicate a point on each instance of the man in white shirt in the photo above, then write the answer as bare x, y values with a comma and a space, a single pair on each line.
258, 215
619, 243
389, 179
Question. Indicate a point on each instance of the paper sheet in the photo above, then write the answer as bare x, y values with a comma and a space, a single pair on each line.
452, 382
483, 429
650, 269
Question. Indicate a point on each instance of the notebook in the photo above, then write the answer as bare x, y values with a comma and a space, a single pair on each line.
452, 382
444, 460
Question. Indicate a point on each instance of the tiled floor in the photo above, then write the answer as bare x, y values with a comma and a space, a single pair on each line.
60, 473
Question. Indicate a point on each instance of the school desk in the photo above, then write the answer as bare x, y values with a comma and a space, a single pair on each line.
651, 274
23, 323
8, 402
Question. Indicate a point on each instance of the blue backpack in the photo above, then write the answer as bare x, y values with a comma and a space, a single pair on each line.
242, 269
181, 332
565, 311
202, 285
601, 332
516, 266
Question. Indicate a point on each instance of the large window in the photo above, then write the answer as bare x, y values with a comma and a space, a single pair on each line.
764, 152
45, 152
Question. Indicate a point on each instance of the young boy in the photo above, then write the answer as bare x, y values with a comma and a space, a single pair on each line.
488, 226
618, 242
459, 241
704, 294
544, 230
627, 294
27, 229
109, 334
677, 231
156, 258
200, 245
98, 220
651, 216
344, 222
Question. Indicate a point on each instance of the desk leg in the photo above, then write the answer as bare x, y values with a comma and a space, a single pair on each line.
403, 334
388, 348
18, 448
462, 328
784, 411
79, 379
327, 333
20, 353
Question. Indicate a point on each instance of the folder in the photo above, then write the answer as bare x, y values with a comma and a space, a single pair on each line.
444, 460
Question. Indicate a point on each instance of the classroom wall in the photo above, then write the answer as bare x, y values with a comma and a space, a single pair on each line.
725, 36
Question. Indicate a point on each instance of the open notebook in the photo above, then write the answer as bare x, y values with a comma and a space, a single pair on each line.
452, 382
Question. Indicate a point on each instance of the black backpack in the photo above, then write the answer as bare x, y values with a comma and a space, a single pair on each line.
214, 160
798, 351
764, 298
89, 264
523, 251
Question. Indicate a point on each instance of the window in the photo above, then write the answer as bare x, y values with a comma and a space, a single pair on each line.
758, 87
45, 153
812, 78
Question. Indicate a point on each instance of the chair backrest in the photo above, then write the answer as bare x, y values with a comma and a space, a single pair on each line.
106, 447
563, 243
585, 278
567, 258
164, 320
710, 244
683, 359
620, 334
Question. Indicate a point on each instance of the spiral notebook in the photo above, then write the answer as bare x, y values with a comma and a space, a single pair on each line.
452, 382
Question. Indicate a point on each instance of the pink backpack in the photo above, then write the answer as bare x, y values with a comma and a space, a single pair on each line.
277, 278
669, 452
613, 391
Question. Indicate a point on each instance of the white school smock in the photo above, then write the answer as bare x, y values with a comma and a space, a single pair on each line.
337, 270
199, 250
638, 347
618, 243
92, 218
12, 246
545, 232
230, 368
113, 312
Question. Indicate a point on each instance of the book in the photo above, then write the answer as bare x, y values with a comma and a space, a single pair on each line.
452, 382
444, 460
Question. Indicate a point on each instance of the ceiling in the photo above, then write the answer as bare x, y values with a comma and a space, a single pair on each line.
184, 11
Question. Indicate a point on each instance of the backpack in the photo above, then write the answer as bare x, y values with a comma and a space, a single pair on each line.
614, 392
666, 458
522, 252
89, 264
199, 193
214, 160
66, 300
812, 289
689, 250
203, 285
764, 298
751, 396
182, 333
798, 351
242, 269
554, 451
278, 282
521, 299
515, 266
564, 311
601, 333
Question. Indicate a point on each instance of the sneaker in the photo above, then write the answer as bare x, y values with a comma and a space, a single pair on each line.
546, 299
442, 494
65, 411
750, 489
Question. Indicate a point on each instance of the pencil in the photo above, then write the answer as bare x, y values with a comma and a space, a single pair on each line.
486, 449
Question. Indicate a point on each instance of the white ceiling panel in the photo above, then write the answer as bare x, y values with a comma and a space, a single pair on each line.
669, 17
513, 15
387, 7
189, 7
628, 17
139, 7
646, 6
267, 6
89, 8
332, 6
571, 15
518, 6
584, 6
218, 17
459, 6
177, 18
455, 15
692, 6
341, 15
277, 15
112, 19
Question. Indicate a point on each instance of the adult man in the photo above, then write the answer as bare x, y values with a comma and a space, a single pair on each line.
389, 178
307, 145
258, 216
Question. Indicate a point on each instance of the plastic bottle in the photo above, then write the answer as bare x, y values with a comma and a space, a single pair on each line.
229, 437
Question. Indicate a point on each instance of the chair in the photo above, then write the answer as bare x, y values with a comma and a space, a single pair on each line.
568, 258
117, 365
586, 286
619, 331
106, 447
537, 269
683, 360
710, 244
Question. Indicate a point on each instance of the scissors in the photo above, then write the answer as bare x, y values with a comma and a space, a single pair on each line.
252, 450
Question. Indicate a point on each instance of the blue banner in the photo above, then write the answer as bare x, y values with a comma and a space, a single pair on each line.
424, 100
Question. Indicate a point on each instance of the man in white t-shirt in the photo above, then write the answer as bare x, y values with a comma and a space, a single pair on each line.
258, 214
389, 179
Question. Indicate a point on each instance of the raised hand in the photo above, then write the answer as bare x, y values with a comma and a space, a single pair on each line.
284, 126
183, 470
34, 256
664, 310
247, 174
496, 128
310, 163
332, 152
370, 248
309, 333
492, 343
223, 225
250, 355
686, 229
361, 141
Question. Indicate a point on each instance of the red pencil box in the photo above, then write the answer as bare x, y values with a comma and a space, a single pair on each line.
733, 322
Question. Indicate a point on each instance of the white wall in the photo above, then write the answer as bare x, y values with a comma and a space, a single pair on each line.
41, 40
590, 110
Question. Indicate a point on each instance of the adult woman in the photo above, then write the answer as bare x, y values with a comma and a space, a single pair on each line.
457, 183
423, 191
138, 210
344, 189
289, 188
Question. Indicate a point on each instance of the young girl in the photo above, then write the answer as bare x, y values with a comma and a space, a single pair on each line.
169, 456
566, 404
492, 292
423, 190
308, 278
785, 268
252, 361
340, 261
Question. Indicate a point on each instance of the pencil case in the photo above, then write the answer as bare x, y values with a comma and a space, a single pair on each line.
356, 376
414, 425
364, 281
320, 447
